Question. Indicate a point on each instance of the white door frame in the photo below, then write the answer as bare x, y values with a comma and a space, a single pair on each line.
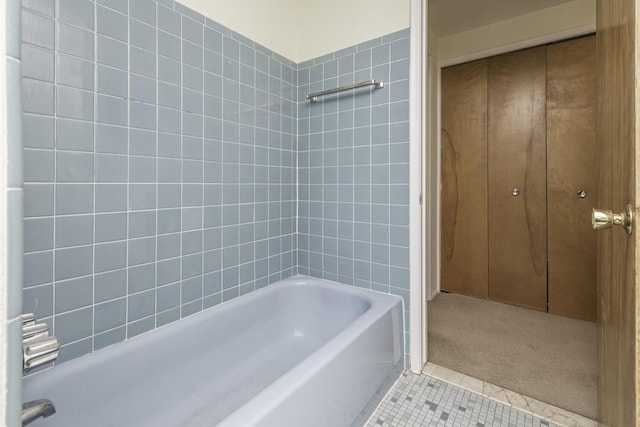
418, 109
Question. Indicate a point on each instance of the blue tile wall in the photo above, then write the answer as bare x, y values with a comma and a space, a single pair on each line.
172, 164
160, 166
353, 168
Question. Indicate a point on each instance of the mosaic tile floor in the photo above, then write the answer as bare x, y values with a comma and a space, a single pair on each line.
526, 404
422, 400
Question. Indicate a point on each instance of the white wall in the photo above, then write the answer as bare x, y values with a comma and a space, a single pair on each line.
11, 202
4, 324
271, 23
330, 25
305, 29
566, 20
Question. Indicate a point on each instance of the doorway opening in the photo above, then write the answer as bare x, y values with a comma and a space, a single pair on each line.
498, 329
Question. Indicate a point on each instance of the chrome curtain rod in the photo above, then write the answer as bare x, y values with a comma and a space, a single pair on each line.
314, 96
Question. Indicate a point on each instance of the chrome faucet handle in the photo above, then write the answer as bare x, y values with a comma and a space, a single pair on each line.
34, 332
35, 409
28, 319
39, 352
38, 347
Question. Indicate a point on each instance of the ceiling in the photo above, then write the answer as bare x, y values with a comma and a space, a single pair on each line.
453, 16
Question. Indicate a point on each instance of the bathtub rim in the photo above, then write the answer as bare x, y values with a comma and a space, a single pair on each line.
373, 297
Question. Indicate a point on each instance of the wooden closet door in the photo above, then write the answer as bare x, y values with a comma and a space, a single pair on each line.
571, 167
464, 179
516, 146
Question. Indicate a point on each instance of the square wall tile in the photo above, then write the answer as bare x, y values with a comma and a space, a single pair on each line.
171, 164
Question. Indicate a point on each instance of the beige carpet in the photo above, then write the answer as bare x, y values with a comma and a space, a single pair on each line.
547, 357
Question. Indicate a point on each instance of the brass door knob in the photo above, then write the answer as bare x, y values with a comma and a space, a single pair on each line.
604, 218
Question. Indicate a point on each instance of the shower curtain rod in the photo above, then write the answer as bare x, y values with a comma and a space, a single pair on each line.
314, 96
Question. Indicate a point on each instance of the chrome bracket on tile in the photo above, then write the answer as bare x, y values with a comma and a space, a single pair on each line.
38, 347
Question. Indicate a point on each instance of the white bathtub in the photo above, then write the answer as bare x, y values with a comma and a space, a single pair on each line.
301, 353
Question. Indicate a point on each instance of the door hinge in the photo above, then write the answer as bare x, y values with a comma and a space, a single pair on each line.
421, 198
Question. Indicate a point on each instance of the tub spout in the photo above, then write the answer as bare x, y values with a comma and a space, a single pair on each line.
35, 409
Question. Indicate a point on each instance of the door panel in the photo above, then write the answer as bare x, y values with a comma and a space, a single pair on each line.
571, 162
464, 183
617, 185
516, 135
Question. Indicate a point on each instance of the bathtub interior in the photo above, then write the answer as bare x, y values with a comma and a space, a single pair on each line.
308, 311
219, 361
